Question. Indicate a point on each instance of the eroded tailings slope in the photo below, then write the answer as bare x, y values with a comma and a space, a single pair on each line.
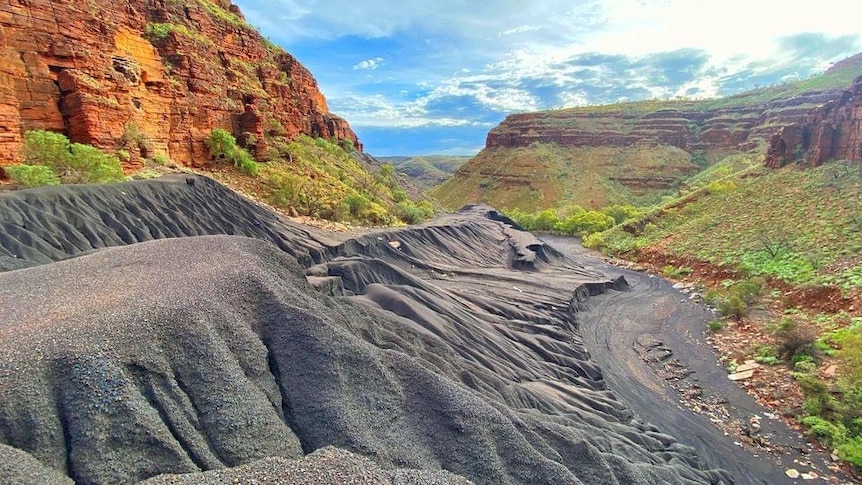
454, 349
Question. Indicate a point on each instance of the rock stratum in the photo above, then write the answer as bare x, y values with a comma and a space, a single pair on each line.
150, 76
627, 151
171, 331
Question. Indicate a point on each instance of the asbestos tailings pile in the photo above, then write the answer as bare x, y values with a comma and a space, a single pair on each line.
446, 353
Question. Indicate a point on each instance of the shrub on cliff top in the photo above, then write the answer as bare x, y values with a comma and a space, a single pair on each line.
72, 162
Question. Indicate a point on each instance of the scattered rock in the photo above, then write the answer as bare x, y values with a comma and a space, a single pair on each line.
792, 473
747, 367
741, 376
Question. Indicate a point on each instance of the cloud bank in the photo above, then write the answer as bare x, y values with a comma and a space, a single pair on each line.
403, 67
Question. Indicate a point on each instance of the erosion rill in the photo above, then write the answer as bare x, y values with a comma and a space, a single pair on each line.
164, 74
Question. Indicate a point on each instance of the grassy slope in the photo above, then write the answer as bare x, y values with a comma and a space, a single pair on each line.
546, 175
427, 170
800, 226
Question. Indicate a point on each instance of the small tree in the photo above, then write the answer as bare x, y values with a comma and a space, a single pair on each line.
220, 143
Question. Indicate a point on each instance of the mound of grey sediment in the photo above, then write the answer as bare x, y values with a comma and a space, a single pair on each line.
326, 466
439, 354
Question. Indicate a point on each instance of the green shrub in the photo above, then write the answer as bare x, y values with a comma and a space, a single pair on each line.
767, 354
287, 189
748, 290
72, 162
593, 241
221, 144
161, 159
830, 433
88, 164
583, 222
545, 220
851, 451
46, 148
413, 213
676, 272
716, 326
399, 195
357, 205
731, 306
621, 213
244, 162
32, 175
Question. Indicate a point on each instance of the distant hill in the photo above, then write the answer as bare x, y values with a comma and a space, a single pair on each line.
426, 171
638, 152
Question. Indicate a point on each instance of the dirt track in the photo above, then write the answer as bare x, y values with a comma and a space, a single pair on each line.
614, 331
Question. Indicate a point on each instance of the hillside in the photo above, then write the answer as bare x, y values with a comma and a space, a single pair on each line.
523, 164
158, 87
151, 77
426, 171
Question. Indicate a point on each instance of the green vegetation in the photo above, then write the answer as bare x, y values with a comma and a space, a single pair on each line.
426, 171
794, 225
70, 163
548, 176
570, 221
161, 31
834, 412
222, 14
32, 175
222, 146
320, 178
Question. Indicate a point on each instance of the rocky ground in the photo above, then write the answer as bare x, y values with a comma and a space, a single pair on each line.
750, 407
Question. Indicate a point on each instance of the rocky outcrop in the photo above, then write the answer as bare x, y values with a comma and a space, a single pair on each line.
796, 123
685, 125
150, 76
831, 132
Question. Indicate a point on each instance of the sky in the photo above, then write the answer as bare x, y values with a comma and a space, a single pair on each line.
434, 76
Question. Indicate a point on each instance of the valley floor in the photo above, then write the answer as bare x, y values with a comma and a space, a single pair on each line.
652, 343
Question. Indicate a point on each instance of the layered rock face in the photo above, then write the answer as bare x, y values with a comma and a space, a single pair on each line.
684, 125
812, 121
831, 132
150, 76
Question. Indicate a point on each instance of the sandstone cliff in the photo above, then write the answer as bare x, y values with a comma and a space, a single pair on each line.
814, 120
831, 132
816, 126
638, 152
150, 76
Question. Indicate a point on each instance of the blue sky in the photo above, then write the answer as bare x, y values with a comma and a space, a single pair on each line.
432, 77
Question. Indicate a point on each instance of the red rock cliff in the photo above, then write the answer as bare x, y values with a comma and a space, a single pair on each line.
814, 126
831, 132
150, 76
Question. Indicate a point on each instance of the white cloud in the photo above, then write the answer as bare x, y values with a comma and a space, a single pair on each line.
520, 30
379, 111
368, 64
